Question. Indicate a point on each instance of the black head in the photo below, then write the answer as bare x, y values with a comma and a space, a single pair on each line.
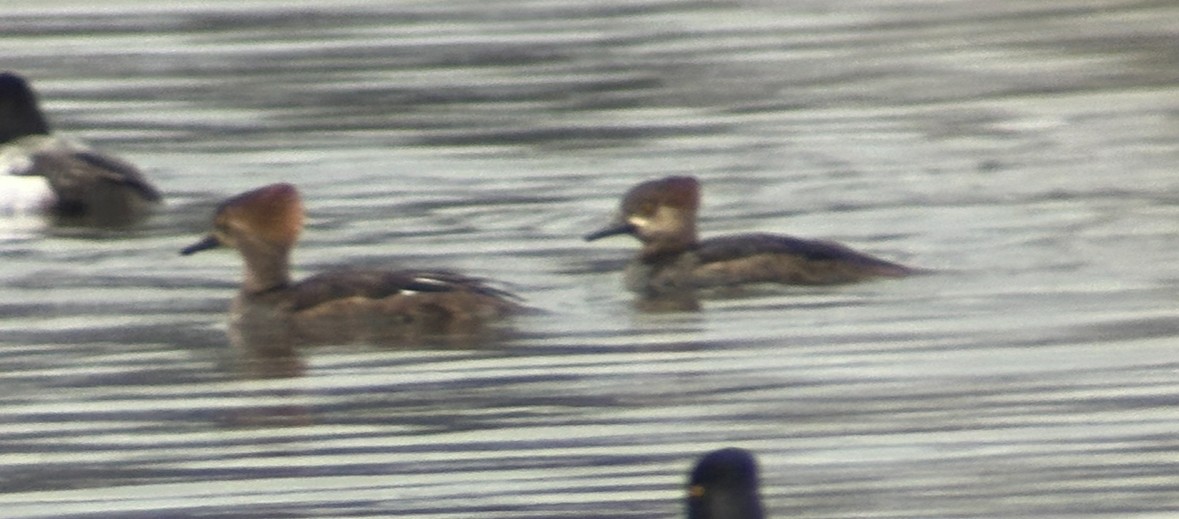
19, 114
724, 485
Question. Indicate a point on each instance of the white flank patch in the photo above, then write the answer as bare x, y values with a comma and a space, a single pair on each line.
24, 195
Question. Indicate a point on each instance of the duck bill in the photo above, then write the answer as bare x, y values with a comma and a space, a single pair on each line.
615, 229
208, 242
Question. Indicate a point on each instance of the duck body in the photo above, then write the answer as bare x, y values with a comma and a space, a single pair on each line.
661, 214
61, 177
339, 306
731, 261
370, 306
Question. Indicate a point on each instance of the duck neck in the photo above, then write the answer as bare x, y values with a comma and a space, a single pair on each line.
661, 251
670, 242
267, 268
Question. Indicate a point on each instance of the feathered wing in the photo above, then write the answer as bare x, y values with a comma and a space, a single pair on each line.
93, 188
73, 169
389, 307
120, 172
777, 258
377, 284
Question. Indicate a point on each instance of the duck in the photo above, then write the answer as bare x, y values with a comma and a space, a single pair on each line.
661, 214
63, 178
723, 484
337, 306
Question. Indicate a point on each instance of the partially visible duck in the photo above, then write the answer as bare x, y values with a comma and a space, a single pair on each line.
723, 485
341, 306
662, 215
44, 173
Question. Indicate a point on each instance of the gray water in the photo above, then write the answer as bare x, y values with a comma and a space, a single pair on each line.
1026, 150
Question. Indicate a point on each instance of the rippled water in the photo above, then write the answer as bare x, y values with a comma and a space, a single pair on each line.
1027, 150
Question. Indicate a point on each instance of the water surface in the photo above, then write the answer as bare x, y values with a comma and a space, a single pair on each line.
1027, 150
